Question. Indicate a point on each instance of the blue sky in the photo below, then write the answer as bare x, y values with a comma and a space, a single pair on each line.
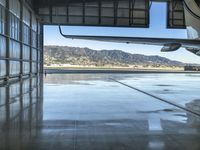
157, 29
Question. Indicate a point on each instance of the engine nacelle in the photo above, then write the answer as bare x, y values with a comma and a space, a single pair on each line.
171, 47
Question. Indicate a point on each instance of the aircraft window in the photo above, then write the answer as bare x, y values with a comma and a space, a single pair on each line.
198, 2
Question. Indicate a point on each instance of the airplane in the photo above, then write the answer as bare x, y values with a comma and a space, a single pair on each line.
192, 44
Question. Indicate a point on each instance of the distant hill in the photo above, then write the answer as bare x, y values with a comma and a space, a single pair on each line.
86, 56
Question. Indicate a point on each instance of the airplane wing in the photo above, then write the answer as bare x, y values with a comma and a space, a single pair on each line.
169, 44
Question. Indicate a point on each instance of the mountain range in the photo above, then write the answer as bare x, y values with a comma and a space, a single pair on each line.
89, 57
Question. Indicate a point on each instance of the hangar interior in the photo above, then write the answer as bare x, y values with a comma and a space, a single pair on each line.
21, 76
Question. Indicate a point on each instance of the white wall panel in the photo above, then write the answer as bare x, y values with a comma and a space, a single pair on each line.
2, 68
26, 16
26, 52
2, 20
2, 46
14, 68
34, 39
34, 23
15, 7
14, 49
34, 54
14, 27
26, 67
34, 67
26, 86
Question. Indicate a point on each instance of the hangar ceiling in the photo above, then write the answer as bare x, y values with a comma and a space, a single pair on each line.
115, 13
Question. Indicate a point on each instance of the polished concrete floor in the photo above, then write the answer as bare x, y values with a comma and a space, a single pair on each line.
94, 112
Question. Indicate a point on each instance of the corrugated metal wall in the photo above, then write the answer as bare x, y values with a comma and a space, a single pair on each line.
21, 40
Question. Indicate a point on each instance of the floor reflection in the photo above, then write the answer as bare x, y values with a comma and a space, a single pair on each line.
91, 112
194, 106
20, 113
